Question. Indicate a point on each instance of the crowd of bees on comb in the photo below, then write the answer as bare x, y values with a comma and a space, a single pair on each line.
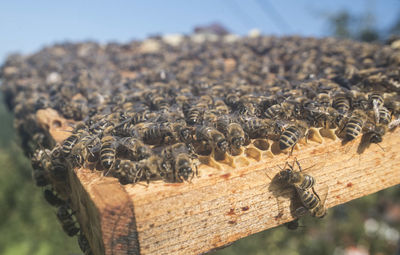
151, 109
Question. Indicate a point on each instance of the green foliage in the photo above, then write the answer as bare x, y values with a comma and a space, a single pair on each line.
28, 225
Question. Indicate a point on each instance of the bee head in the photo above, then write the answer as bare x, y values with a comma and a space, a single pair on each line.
222, 145
184, 172
285, 175
238, 142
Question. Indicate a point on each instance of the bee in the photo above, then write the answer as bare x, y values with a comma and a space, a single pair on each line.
155, 167
137, 150
69, 143
98, 127
180, 158
193, 114
157, 133
282, 110
311, 202
255, 127
41, 165
324, 99
127, 171
233, 131
355, 124
384, 116
137, 117
67, 222
51, 197
83, 152
108, 151
292, 134
232, 100
246, 108
159, 103
359, 100
212, 136
375, 99
341, 103
296, 178
84, 244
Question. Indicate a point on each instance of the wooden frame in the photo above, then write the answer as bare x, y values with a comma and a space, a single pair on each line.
223, 203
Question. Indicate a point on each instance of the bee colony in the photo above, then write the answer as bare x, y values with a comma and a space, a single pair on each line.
185, 144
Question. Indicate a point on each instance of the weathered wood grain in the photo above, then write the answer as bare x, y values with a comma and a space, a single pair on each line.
222, 205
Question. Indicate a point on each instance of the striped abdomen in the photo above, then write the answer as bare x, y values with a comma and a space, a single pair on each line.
341, 103
273, 111
377, 98
312, 203
307, 182
289, 137
384, 115
353, 128
107, 151
69, 143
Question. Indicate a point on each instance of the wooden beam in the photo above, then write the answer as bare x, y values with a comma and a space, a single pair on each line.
224, 203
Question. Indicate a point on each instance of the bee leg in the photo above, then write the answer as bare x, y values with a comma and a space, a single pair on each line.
298, 164
291, 150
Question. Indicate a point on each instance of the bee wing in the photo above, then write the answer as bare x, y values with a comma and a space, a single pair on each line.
323, 192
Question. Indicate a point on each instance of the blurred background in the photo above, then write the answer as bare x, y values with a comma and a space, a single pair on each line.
28, 225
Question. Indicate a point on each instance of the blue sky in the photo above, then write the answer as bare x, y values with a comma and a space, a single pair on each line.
26, 26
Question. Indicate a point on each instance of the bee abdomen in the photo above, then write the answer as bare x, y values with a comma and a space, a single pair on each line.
107, 151
384, 116
353, 129
308, 198
308, 182
289, 138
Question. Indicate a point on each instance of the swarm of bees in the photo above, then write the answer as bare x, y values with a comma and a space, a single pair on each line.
143, 113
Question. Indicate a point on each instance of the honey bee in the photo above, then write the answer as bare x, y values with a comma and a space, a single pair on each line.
359, 100
83, 152
41, 165
159, 103
296, 178
137, 150
233, 131
51, 197
292, 134
375, 99
137, 117
212, 136
67, 222
282, 110
108, 151
324, 99
354, 125
232, 100
84, 244
384, 116
180, 158
341, 103
255, 127
311, 202
193, 114
69, 143
127, 171
157, 133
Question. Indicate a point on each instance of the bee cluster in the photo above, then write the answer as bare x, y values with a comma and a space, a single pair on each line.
154, 109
